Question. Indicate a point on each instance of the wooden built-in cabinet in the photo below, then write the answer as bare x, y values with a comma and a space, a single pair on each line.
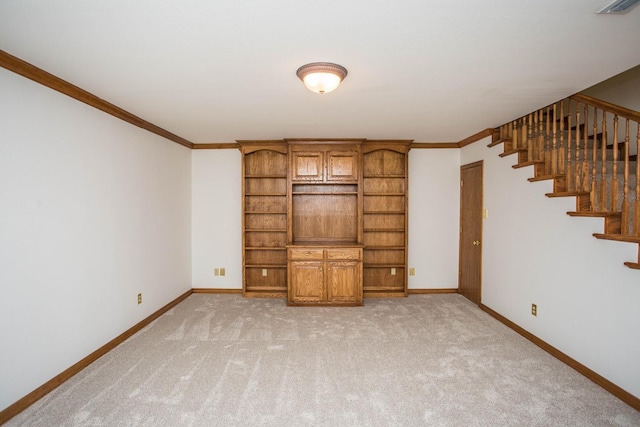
325, 210
264, 219
385, 218
325, 275
325, 221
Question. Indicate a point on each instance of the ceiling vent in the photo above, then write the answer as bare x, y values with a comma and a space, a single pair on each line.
618, 6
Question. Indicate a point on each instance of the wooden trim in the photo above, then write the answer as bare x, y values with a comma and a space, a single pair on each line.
216, 291
473, 165
617, 237
432, 291
247, 147
325, 140
222, 146
31, 398
615, 109
617, 391
476, 137
34, 73
434, 145
399, 146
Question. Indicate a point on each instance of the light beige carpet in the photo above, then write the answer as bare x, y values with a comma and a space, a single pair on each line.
433, 360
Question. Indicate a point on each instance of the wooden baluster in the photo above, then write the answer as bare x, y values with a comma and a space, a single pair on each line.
578, 182
614, 168
520, 139
515, 142
546, 149
571, 181
540, 137
603, 170
530, 155
636, 210
509, 146
561, 147
594, 160
554, 141
626, 220
585, 163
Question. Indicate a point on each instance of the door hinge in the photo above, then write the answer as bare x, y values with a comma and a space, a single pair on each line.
461, 183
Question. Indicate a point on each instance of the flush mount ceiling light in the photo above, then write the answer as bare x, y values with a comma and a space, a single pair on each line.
321, 77
618, 6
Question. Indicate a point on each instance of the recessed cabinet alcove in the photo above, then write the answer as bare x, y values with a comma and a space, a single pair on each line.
324, 221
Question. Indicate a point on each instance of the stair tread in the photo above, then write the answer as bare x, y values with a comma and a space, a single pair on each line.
634, 265
529, 163
617, 237
595, 214
568, 194
545, 177
499, 141
513, 151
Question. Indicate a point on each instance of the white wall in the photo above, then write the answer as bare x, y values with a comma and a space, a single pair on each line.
93, 211
434, 211
534, 253
623, 89
216, 218
433, 218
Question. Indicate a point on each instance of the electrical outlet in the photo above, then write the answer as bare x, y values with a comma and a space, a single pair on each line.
222, 272
412, 271
216, 271
139, 298
264, 272
393, 271
534, 309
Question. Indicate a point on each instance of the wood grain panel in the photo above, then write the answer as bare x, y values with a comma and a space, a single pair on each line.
327, 217
265, 163
384, 185
384, 221
265, 203
275, 280
265, 186
384, 256
262, 257
384, 163
383, 203
265, 221
265, 238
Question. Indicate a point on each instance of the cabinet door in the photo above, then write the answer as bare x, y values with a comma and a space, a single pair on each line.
306, 282
343, 282
342, 166
307, 166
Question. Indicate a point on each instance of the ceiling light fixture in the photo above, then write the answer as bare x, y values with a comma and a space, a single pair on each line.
618, 6
321, 77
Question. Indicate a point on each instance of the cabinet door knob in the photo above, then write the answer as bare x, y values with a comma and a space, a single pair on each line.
308, 253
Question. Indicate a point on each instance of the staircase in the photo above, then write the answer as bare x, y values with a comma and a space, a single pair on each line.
589, 148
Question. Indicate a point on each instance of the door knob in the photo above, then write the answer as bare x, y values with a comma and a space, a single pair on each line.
476, 243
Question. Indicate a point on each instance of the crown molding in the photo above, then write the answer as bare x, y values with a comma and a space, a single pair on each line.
38, 75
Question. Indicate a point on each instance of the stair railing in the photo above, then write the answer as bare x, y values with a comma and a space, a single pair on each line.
590, 148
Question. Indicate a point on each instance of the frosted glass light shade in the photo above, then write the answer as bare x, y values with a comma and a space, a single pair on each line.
321, 77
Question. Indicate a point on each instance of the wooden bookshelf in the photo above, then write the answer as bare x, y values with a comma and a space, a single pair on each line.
385, 222
264, 220
325, 221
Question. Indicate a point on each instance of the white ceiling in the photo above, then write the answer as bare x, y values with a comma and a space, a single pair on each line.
221, 70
